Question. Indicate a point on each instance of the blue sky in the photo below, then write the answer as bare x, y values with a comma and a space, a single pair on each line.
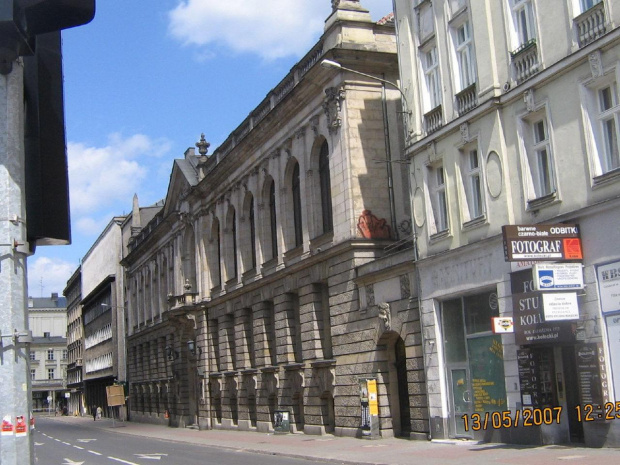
144, 79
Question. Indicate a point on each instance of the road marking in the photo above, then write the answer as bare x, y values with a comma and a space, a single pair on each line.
57, 440
151, 456
95, 453
78, 447
71, 462
123, 461
86, 440
39, 443
66, 443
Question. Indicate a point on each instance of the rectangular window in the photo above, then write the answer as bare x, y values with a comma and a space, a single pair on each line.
50, 354
587, 4
523, 17
64, 354
439, 201
33, 355
33, 374
431, 72
544, 178
609, 112
50, 373
464, 53
46, 334
473, 184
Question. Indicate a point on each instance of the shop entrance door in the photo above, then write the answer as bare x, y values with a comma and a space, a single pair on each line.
474, 359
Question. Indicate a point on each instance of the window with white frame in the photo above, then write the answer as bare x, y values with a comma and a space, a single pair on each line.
50, 373
587, 4
523, 19
430, 64
33, 355
472, 182
608, 119
463, 45
50, 354
439, 200
33, 374
539, 157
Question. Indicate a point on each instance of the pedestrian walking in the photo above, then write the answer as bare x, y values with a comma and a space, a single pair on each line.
93, 410
99, 412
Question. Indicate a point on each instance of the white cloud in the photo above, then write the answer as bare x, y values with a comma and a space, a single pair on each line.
94, 226
99, 177
47, 275
269, 28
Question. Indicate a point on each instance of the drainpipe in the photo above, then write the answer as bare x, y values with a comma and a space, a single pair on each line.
388, 156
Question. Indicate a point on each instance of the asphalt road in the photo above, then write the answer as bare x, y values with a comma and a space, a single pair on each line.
59, 443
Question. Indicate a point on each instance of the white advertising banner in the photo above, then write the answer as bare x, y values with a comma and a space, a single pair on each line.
560, 306
613, 332
558, 276
609, 286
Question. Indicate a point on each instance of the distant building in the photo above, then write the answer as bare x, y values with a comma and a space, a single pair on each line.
47, 319
103, 317
75, 344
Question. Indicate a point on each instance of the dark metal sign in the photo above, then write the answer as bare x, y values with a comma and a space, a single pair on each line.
542, 242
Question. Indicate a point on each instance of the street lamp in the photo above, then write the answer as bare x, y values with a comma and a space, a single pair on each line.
330, 64
193, 348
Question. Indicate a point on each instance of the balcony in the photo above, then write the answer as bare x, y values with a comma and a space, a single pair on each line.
590, 24
466, 100
525, 61
433, 120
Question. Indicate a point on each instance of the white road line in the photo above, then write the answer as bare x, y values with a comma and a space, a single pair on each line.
66, 443
57, 440
95, 453
78, 447
123, 461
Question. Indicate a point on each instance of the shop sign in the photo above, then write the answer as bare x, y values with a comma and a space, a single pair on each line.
558, 276
503, 325
609, 286
591, 374
528, 378
560, 306
613, 335
543, 242
530, 325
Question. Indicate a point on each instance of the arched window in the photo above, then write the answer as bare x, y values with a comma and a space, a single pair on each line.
296, 189
326, 190
272, 219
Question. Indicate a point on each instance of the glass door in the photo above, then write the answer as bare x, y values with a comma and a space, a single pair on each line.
461, 400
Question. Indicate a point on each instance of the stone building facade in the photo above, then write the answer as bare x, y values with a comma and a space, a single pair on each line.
277, 276
75, 344
514, 122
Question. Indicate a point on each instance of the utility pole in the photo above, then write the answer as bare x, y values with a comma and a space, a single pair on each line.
14, 354
34, 207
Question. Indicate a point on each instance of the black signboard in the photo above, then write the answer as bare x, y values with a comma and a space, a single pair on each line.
528, 378
589, 374
542, 242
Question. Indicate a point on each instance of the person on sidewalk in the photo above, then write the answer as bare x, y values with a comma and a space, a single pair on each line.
99, 412
93, 410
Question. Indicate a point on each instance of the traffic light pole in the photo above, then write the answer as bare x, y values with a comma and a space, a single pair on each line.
15, 391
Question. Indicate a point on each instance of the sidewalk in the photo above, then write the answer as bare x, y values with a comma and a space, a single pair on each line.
359, 451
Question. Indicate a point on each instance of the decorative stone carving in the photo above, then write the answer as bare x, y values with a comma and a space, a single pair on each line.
370, 295
596, 64
405, 287
333, 107
371, 227
528, 98
385, 315
203, 145
187, 286
464, 132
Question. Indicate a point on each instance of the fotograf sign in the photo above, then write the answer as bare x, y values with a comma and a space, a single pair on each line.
542, 242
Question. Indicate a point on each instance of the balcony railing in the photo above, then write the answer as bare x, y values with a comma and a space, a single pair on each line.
590, 24
466, 100
433, 120
525, 61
